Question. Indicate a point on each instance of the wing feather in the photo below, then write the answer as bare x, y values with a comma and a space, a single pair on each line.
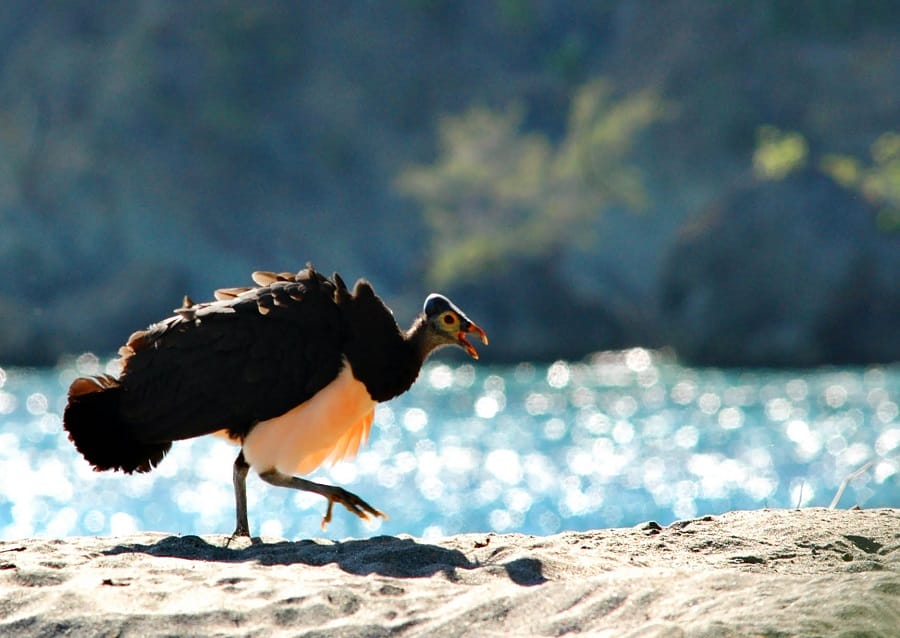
246, 358
224, 294
264, 277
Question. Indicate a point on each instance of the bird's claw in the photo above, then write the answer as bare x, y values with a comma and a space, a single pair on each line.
327, 518
354, 504
239, 532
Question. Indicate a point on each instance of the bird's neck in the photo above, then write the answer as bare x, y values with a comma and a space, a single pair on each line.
420, 340
389, 366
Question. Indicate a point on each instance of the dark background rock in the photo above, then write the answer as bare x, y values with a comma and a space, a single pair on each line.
785, 273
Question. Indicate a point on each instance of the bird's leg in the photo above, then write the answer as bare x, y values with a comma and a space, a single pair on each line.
239, 476
334, 494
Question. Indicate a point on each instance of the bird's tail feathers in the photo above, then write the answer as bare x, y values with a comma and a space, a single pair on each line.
95, 426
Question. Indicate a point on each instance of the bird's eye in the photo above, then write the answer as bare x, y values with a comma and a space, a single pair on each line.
449, 319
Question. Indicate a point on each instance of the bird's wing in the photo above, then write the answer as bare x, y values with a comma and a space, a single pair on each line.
252, 355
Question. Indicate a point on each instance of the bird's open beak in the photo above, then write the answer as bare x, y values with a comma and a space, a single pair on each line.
464, 343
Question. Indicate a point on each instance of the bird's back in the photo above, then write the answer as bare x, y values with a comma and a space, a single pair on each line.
249, 356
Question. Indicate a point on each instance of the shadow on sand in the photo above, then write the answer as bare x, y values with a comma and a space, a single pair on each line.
383, 555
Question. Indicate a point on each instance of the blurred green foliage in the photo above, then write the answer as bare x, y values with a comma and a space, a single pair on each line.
497, 192
778, 153
878, 180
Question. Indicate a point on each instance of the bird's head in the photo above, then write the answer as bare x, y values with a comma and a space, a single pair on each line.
447, 325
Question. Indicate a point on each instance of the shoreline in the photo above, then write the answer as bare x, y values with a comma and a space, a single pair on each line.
808, 572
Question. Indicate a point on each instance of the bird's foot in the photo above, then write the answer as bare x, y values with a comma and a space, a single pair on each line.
334, 495
352, 502
239, 532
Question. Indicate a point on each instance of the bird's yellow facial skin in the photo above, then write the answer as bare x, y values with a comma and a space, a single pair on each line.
455, 327
449, 320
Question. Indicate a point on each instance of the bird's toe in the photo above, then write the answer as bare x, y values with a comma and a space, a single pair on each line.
353, 503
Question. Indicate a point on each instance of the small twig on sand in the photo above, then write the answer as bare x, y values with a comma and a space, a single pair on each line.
846, 481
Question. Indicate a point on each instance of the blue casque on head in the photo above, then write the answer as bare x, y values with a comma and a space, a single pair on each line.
435, 304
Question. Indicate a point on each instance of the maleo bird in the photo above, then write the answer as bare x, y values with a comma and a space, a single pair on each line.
290, 369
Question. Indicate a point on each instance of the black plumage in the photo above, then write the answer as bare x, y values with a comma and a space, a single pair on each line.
252, 357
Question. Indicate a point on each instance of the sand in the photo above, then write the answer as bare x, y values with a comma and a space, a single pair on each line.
773, 573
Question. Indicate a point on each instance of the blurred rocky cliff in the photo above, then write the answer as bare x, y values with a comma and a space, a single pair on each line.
576, 175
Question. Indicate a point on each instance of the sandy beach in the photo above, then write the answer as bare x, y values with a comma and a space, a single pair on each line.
809, 572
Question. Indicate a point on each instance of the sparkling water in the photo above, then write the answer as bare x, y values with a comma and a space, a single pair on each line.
614, 440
